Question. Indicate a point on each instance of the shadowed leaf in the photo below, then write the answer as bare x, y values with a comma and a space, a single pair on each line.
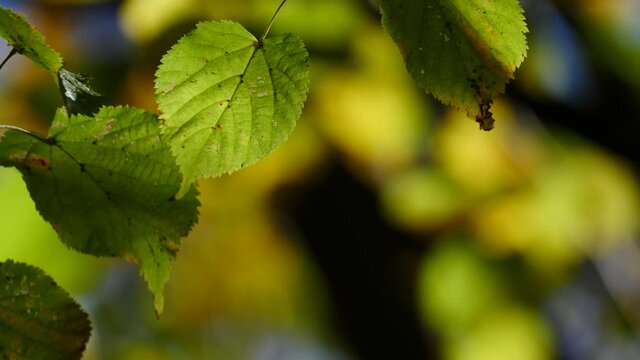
78, 97
38, 319
107, 184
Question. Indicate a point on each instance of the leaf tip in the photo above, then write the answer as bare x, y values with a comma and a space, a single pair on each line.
485, 117
185, 185
158, 304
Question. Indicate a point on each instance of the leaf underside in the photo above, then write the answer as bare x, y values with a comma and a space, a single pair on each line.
27, 41
38, 319
228, 100
78, 96
107, 184
461, 51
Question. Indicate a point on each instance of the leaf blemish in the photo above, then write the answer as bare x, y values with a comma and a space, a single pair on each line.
39, 162
30, 161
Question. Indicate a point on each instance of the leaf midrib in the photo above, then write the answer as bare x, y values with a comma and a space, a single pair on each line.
198, 154
235, 90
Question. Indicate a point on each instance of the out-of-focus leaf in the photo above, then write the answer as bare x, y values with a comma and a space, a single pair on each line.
508, 157
465, 297
27, 41
227, 99
371, 111
78, 97
107, 185
505, 333
456, 287
581, 200
38, 319
422, 199
463, 52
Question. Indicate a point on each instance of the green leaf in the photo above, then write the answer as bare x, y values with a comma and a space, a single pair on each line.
28, 41
228, 100
461, 51
38, 319
78, 97
107, 184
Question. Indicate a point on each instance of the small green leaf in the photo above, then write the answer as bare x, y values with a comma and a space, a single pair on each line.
28, 41
461, 51
38, 319
78, 97
107, 184
227, 99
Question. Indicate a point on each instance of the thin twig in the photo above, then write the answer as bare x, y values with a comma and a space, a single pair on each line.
273, 19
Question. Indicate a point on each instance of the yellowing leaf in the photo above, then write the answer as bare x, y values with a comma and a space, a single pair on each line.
461, 51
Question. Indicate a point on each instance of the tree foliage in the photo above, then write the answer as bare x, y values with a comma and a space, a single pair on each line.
119, 181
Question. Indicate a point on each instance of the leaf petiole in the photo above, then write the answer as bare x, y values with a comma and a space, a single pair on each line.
32, 134
273, 19
11, 53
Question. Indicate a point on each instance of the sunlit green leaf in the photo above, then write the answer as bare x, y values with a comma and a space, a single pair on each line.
227, 99
461, 51
107, 184
27, 41
38, 319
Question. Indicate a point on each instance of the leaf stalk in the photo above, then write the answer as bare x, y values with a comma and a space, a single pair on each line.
273, 19
11, 53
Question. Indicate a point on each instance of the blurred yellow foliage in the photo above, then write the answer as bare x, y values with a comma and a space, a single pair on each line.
466, 299
372, 113
521, 191
238, 253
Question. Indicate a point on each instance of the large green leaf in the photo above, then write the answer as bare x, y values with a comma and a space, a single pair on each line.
461, 51
228, 100
107, 184
27, 41
38, 319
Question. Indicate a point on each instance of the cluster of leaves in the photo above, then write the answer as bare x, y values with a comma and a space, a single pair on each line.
119, 181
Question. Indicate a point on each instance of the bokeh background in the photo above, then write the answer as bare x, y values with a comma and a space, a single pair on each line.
387, 226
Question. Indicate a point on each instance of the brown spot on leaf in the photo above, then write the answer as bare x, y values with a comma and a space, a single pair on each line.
31, 161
